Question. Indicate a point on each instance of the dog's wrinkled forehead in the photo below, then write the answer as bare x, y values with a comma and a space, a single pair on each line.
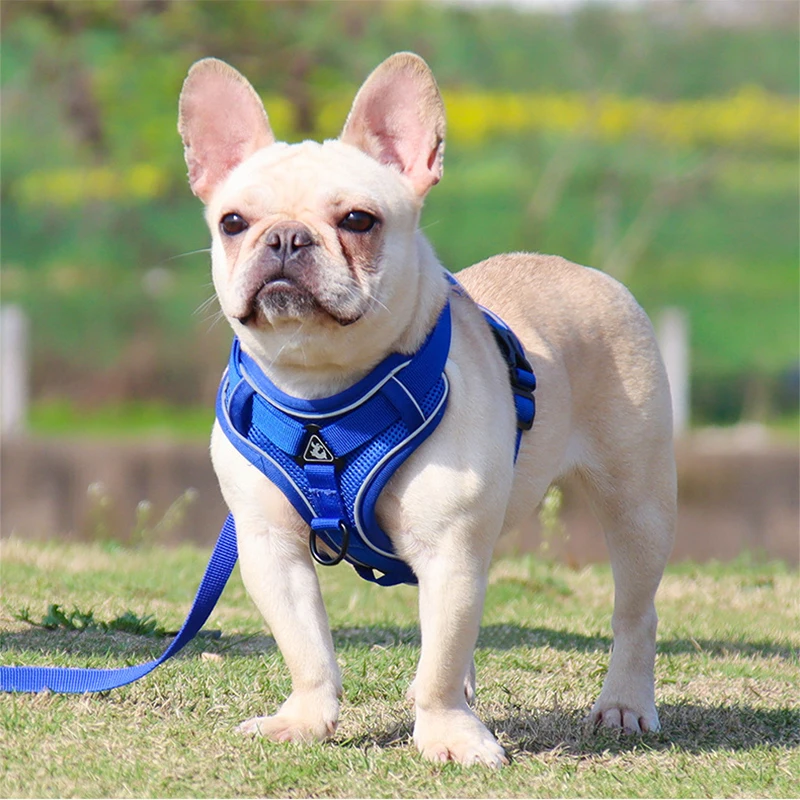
312, 178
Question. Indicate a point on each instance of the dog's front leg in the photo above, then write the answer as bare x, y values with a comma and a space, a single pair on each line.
280, 578
452, 585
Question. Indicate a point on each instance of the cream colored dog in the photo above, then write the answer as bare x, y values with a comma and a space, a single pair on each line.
360, 281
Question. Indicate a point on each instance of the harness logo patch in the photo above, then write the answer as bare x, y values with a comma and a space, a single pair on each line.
317, 451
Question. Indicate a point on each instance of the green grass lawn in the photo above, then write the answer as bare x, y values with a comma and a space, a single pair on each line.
121, 420
728, 685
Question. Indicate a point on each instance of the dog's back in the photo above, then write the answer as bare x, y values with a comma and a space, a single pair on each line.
593, 350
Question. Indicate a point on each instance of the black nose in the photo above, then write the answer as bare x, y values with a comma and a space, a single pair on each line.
286, 239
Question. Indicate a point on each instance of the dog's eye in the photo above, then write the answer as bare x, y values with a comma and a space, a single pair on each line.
233, 224
358, 222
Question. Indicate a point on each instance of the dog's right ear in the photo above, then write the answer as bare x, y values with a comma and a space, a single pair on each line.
221, 120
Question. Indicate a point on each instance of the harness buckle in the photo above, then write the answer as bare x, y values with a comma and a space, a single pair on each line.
322, 559
520, 371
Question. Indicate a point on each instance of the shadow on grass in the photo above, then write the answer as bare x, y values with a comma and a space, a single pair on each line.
685, 727
130, 648
507, 637
492, 637
398, 735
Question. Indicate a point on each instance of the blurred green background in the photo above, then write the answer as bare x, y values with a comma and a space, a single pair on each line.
657, 142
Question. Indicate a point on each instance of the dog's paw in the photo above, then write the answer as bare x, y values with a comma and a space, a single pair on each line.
457, 735
280, 728
302, 718
628, 720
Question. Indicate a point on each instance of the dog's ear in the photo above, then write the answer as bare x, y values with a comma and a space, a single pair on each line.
221, 120
398, 119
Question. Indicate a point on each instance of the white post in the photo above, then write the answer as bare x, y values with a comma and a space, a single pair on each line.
673, 338
13, 370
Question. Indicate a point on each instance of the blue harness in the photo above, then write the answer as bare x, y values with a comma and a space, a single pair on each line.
332, 457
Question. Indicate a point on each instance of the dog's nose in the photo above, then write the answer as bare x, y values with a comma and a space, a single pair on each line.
287, 238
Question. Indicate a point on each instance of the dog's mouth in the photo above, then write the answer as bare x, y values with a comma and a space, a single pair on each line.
283, 298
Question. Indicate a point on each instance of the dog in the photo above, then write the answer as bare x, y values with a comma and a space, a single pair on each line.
321, 269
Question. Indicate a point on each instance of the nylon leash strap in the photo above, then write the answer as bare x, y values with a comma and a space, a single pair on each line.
75, 680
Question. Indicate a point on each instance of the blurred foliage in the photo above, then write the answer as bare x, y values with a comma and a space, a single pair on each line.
654, 144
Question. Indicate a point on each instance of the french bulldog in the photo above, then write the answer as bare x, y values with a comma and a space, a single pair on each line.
320, 267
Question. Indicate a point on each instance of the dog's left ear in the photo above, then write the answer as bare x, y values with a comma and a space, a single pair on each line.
398, 119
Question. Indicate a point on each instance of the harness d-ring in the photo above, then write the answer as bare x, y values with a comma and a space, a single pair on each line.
319, 557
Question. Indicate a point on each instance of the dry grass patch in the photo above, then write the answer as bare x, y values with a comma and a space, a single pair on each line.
727, 686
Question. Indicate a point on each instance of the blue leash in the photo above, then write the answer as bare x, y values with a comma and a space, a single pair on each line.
77, 681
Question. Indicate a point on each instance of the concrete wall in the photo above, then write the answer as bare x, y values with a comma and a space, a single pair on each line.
734, 496
89, 489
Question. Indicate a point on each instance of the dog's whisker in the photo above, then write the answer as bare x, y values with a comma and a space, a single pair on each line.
189, 253
204, 306
289, 341
215, 319
374, 301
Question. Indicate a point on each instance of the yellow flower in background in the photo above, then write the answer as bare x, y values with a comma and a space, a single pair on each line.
75, 185
281, 115
145, 180
750, 118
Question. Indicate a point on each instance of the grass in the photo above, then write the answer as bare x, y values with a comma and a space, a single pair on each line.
121, 420
727, 685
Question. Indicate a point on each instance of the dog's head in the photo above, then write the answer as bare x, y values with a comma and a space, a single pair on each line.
317, 260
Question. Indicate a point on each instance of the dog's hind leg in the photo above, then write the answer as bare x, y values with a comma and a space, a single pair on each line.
635, 502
